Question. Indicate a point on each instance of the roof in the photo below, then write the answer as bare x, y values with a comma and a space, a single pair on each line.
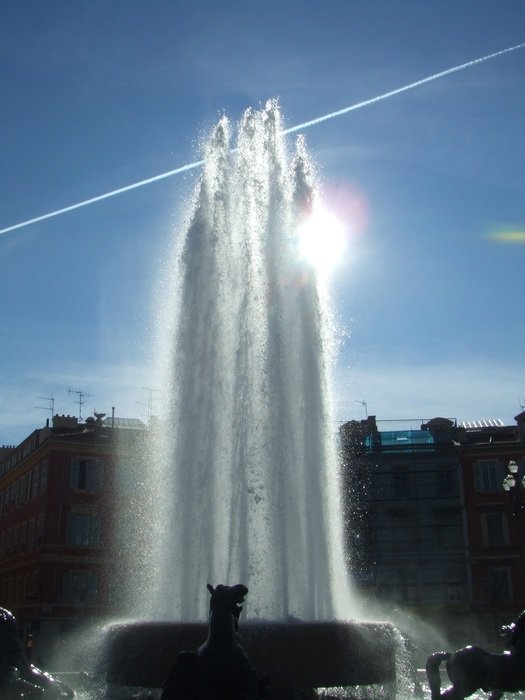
487, 423
124, 423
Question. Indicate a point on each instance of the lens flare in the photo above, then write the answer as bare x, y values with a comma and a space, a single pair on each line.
508, 236
321, 239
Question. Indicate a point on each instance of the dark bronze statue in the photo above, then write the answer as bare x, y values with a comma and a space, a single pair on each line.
219, 669
473, 668
18, 677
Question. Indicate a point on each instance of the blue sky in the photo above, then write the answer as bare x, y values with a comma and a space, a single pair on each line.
98, 95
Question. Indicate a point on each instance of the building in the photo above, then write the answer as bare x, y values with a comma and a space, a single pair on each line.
431, 530
56, 509
404, 517
494, 518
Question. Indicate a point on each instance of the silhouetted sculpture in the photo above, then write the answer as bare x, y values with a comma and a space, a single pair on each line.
219, 669
472, 668
18, 677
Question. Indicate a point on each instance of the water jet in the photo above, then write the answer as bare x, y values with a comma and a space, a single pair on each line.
245, 482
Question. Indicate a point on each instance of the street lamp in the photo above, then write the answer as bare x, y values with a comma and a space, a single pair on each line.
512, 485
511, 481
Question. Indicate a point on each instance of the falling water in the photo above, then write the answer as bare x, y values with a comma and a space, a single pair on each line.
246, 469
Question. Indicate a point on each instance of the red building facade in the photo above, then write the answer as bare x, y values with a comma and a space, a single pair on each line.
56, 510
495, 519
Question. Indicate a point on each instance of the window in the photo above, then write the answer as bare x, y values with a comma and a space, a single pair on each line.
80, 587
401, 484
20, 491
36, 481
26, 487
456, 591
494, 529
488, 475
43, 475
19, 593
447, 482
39, 534
16, 538
31, 534
23, 536
499, 584
83, 530
86, 474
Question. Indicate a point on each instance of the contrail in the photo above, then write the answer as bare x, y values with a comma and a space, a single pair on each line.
100, 197
410, 86
298, 127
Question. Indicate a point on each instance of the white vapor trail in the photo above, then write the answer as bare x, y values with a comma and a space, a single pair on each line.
397, 91
100, 197
298, 127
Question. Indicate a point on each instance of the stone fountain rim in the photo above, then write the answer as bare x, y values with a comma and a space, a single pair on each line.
293, 654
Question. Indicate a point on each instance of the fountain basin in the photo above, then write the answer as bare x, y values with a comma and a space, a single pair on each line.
295, 656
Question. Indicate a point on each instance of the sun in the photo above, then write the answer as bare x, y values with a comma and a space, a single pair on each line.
321, 239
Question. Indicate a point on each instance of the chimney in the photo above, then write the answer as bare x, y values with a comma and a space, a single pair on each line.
520, 420
65, 421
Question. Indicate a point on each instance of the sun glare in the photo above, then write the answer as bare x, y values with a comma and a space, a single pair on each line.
321, 239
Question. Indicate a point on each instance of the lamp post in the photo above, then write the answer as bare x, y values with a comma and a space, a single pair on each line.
512, 485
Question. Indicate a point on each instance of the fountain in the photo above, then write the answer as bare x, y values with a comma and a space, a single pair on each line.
245, 480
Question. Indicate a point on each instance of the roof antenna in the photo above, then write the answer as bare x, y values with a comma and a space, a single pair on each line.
81, 395
50, 407
149, 403
363, 403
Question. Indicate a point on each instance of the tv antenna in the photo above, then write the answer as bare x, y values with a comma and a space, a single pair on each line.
149, 402
50, 407
81, 395
365, 405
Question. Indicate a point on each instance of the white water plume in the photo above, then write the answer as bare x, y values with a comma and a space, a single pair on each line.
246, 474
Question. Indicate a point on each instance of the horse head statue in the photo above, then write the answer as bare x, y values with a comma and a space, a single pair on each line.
472, 668
515, 632
219, 669
227, 600
18, 677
